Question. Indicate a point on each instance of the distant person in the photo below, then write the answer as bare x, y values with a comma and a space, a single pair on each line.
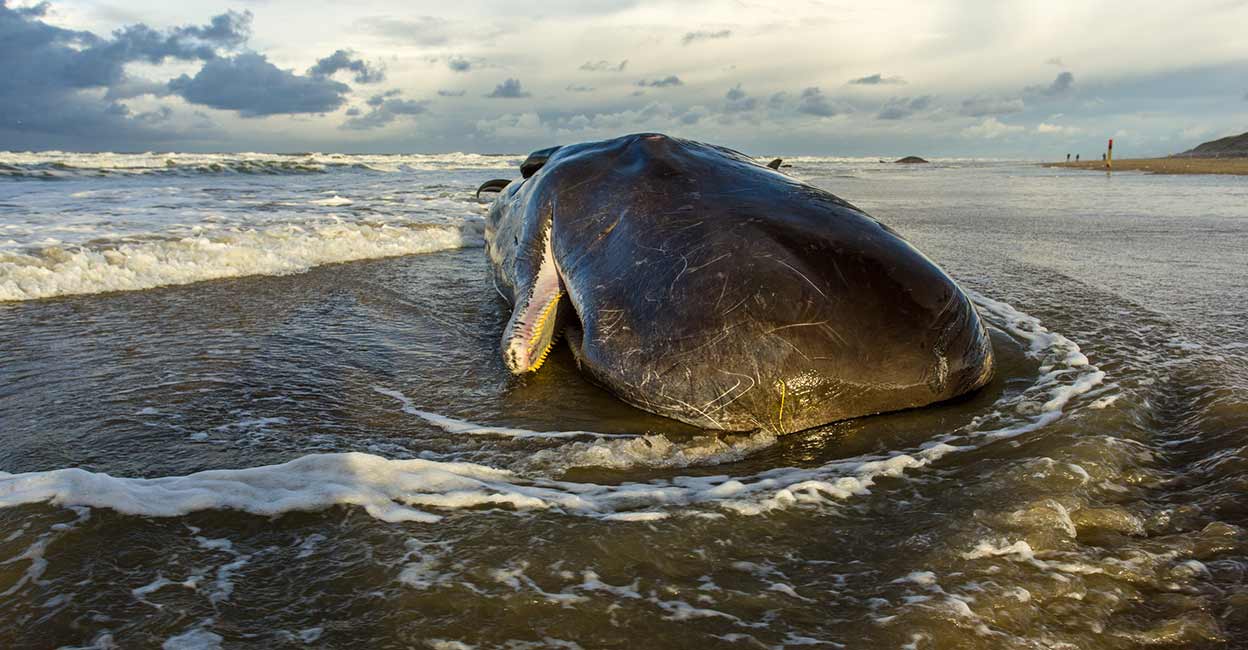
1067, 157
1076, 157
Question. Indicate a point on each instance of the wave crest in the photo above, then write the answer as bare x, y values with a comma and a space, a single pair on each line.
276, 250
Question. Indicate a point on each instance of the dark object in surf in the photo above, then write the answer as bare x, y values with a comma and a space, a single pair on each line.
695, 283
910, 160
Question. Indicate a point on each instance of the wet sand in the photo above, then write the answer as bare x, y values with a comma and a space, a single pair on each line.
1235, 166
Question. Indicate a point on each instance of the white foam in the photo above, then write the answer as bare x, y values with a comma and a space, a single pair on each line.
401, 490
333, 201
1021, 551
66, 164
277, 250
1065, 372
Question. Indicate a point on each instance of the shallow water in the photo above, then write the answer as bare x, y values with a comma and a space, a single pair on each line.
313, 451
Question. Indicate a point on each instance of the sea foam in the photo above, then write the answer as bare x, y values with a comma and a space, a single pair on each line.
276, 250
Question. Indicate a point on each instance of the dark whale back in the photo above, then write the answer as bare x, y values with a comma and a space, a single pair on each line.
712, 289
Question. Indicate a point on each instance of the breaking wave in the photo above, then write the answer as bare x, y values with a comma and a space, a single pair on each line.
53, 165
159, 261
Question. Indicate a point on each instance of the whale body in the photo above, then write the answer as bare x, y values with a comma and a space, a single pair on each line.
695, 283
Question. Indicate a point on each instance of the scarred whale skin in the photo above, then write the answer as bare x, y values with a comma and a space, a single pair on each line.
694, 283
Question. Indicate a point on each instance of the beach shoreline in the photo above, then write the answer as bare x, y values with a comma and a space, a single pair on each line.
1233, 166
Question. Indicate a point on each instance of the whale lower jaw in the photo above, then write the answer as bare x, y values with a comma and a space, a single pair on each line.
533, 328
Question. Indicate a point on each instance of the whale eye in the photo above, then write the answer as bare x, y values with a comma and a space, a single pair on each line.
535, 161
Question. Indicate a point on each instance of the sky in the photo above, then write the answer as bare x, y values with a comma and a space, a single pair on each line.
1031, 80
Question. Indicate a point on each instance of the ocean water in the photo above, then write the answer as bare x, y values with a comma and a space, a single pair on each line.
256, 401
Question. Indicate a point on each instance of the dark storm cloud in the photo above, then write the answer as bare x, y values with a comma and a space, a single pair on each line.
50, 73
509, 89
385, 108
1061, 86
899, 108
670, 80
341, 60
693, 37
986, 106
604, 66
249, 84
876, 79
451, 93
738, 101
813, 102
142, 43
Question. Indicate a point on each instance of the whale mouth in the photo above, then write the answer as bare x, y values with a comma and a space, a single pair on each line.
534, 326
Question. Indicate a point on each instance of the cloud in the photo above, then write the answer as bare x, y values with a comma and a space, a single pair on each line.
1061, 86
157, 116
249, 84
509, 89
813, 102
574, 88
142, 43
777, 100
511, 126
1045, 128
1057, 61
876, 79
693, 115
902, 107
990, 128
421, 30
53, 75
459, 64
670, 80
130, 87
341, 60
451, 93
385, 108
1246, 96
380, 98
737, 101
693, 37
984, 106
604, 66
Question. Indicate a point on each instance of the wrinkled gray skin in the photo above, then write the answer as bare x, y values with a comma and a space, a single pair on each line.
705, 287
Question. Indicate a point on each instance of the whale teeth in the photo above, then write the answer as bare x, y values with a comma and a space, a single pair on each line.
539, 327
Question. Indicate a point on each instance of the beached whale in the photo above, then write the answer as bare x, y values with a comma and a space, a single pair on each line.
695, 283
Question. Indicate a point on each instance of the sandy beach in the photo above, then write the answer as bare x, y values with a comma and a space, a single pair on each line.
1236, 166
